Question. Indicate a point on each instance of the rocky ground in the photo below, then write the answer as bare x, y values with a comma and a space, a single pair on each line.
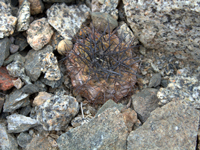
39, 108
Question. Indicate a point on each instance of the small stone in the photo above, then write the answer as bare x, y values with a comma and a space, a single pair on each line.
155, 80
7, 21
39, 33
56, 112
23, 139
23, 16
14, 48
55, 40
41, 98
18, 83
18, 123
52, 84
173, 126
64, 46
105, 131
30, 89
78, 121
4, 46
5, 79
64, 18
21, 41
56, 1
8, 142
36, 6
145, 102
100, 21
25, 110
1, 103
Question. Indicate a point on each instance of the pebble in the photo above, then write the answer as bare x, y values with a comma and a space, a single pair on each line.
64, 46
4, 52
18, 83
23, 139
14, 48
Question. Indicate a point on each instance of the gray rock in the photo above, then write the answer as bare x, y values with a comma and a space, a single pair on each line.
100, 21
56, 1
106, 131
7, 142
25, 110
167, 25
7, 21
155, 80
145, 102
15, 100
23, 139
109, 104
21, 41
30, 89
18, 123
14, 48
67, 20
23, 16
4, 52
56, 112
1, 103
41, 86
174, 126
53, 84
106, 6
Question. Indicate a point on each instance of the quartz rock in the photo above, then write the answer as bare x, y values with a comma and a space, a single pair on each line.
7, 141
18, 123
106, 6
4, 52
23, 16
7, 21
67, 20
56, 112
18, 83
39, 33
105, 131
173, 126
166, 25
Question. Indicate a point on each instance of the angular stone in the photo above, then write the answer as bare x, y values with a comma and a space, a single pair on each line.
39, 33
155, 80
5, 79
15, 100
56, 112
106, 6
4, 52
21, 41
23, 16
55, 1
173, 126
7, 142
14, 48
145, 102
7, 21
18, 83
67, 20
30, 89
36, 6
18, 123
167, 25
105, 131
41, 98
23, 139
1, 103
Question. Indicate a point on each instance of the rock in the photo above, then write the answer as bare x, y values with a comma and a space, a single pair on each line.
174, 126
155, 80
18, 123
105, 131
55, 40
8, 142
55, 1
109, 104
145, 102
25, 110
126, 34
14, 48
30, 89
79, 120
5, 79
182, 86
64, 46
7, 21
165, 25
41, 98
130, 118
21, 41
36, 6
56, 112
39, 33
23, 139
18, 83
41, 86
106, 6
42, 61
1, 103
100, 21
23, 16
53, 84
64, 18
15, 100
4, 46
39, 142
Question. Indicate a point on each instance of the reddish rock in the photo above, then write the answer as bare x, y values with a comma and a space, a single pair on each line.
5, 79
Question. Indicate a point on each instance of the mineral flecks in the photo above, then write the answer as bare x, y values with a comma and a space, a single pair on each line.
39, 33
67, 20
7, 21
168, 25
